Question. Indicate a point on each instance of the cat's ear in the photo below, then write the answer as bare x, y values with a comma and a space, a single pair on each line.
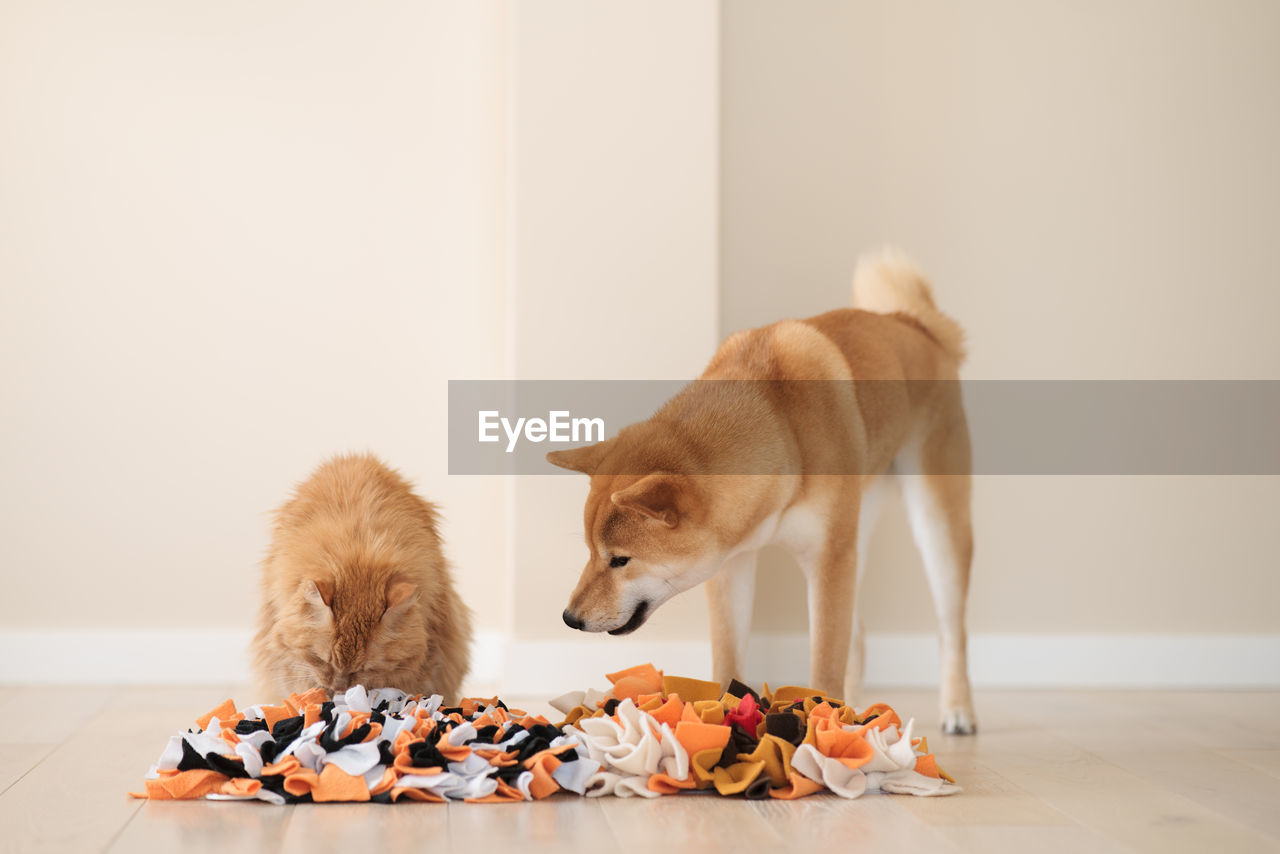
401, 595
318, 593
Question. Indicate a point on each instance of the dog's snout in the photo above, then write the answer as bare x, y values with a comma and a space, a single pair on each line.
571, 621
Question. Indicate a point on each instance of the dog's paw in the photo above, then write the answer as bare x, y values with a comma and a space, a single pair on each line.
959, 722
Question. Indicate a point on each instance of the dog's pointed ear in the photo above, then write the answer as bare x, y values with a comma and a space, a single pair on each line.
585, 459
657, 496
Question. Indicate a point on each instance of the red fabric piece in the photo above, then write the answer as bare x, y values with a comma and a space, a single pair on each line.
747, 715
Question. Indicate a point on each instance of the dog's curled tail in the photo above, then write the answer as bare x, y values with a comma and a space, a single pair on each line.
888, 282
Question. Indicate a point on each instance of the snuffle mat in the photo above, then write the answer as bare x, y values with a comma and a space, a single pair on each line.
648, 735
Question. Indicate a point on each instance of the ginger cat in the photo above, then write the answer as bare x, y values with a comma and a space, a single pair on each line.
356, 590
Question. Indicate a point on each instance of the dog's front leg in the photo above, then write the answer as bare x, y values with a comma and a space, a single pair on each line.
831, 571
731, 595
831, 584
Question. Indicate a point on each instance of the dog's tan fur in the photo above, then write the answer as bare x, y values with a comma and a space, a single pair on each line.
724, 468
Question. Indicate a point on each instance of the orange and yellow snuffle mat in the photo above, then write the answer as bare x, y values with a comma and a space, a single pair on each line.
647, 736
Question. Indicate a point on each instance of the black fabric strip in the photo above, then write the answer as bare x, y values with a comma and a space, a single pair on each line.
509, 773
531, 745
268, 751
273, 783
287, 729
728, 756
758, 789
357, 735
742, 741
547, 731
785, 726
424, 754
191, 760
224, 765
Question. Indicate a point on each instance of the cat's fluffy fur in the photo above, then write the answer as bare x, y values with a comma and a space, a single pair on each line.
355, 589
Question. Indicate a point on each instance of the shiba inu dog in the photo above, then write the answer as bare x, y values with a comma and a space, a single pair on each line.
791, 436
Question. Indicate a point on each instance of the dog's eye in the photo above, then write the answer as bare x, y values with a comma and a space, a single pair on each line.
617, 561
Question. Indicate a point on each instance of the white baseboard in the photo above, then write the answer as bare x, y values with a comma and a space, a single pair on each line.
911, 660
547, 667
128, 657
164, 656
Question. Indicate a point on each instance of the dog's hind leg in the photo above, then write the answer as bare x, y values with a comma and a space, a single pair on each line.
731, 594
936, 489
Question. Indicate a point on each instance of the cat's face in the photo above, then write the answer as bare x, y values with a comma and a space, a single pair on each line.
367, 636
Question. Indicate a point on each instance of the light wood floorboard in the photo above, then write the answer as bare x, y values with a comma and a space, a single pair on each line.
74, 798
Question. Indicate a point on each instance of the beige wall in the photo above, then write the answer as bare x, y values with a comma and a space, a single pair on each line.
1094, 189
614, 274
238, 240
235, 238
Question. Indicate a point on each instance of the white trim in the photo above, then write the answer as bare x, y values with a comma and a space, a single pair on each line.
171, 656
911, 660
130, 657
547, 667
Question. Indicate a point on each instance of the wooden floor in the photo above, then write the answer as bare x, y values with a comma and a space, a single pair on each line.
1050, 771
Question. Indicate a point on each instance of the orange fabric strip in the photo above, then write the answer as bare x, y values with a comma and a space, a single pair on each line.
240, 786
272, 714
388, 780
337, 785
647, 674
696, 737
887, 716
301, 781
184, 785
670, 712
286, 766
224, 710
542, 764
668, 785
415, 794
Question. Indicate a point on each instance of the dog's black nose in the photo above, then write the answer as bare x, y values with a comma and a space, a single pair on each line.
572, 621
